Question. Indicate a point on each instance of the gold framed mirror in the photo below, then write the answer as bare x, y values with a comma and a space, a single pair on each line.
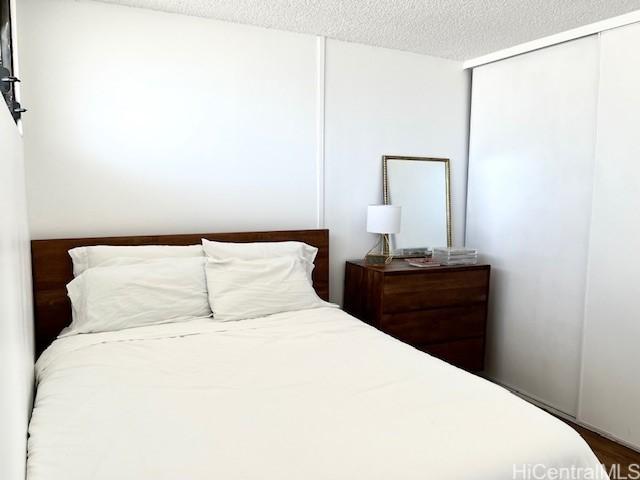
422, 187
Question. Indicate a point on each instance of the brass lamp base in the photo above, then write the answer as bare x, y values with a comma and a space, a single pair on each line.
380, 254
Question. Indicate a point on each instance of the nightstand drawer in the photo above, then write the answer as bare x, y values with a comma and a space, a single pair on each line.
436, 325
440, 310
404, 293
467, 354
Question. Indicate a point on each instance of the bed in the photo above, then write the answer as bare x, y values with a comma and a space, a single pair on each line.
313, 394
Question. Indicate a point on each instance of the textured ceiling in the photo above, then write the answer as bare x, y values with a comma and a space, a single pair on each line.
456, 29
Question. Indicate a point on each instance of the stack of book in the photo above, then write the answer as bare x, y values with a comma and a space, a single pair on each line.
455, 256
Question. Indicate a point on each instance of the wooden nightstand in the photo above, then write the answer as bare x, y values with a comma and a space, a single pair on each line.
439, 310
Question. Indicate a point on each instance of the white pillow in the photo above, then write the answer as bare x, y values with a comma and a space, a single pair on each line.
240, 289
148, 292
257, 250
88, 257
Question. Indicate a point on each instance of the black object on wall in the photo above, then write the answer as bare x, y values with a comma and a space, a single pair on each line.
7, 79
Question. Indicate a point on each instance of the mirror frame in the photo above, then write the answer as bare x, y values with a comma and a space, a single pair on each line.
385, 185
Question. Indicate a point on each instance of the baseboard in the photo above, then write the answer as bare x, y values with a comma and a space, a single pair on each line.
558, 413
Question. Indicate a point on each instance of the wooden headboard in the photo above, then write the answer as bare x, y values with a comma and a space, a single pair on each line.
52, 269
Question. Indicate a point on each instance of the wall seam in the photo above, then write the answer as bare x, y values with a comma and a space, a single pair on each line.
588, 259
321, 43
466, 196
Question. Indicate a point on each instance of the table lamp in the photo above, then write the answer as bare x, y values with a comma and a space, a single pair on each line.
385, 220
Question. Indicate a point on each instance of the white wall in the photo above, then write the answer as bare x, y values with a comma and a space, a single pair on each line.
147, 122
530, 180
610, 396
16, 327
380, 102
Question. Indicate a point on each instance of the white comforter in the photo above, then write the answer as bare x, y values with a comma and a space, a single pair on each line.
304, 395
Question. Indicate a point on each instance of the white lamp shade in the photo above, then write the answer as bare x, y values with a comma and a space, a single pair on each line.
383, 218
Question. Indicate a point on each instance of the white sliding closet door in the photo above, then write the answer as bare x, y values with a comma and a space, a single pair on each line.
610, 395
529, 207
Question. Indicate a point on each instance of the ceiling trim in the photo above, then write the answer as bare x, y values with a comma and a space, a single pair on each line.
584, 31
